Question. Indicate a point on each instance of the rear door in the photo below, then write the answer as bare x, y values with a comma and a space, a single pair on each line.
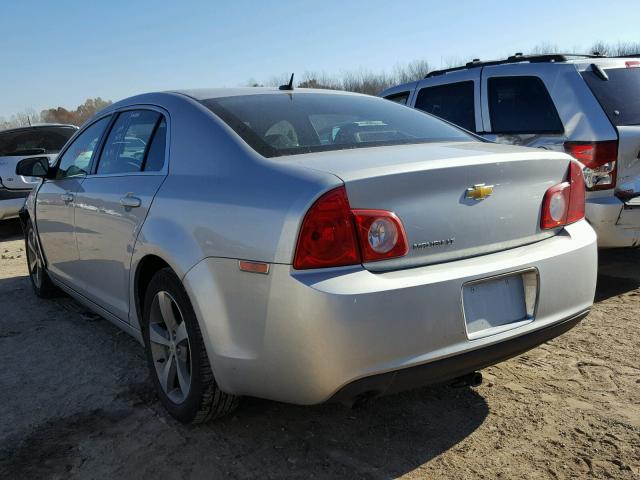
114, 201
619, 96
454, 97
517, 107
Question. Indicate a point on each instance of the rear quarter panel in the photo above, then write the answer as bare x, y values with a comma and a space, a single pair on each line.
221, 199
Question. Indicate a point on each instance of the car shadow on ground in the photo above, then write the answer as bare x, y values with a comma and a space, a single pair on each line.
618, 272
10, 229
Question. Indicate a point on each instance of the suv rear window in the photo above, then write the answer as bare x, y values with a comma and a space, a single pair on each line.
453, 102
619, 96
292, 123
34, 141
521, 105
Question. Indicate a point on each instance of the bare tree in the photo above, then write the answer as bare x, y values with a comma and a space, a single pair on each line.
414, 70
618, 49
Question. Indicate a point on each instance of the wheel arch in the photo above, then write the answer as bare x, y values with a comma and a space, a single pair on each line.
146, 268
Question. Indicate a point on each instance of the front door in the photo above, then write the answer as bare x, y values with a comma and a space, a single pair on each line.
56, 200
113, 203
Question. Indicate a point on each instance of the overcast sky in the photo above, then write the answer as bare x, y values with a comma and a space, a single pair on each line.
62, 52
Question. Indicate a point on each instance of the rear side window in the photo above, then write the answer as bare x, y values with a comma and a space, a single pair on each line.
453, 102
400, 98
619, 96
521, 105
34, 141
155, 156
128, 142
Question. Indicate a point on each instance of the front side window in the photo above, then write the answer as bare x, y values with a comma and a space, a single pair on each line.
453, 102
34, 141
283, 124
127, 144
76, 159
400, 98
521, 105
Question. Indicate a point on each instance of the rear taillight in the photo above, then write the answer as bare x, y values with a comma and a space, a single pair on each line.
563, 204
333, 235
381, 235
599, 159
328, 236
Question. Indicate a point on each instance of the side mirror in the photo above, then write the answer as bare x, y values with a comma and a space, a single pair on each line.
33, 167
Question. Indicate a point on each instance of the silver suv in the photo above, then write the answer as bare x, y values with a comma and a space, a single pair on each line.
18, 143
586, 105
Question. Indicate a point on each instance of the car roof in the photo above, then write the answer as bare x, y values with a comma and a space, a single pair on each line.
209, 93
39, 125
580, 61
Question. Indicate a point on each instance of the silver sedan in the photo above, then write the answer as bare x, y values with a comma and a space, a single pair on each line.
306, 246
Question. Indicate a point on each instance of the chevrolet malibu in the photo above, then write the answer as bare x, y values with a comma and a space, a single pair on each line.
308, 246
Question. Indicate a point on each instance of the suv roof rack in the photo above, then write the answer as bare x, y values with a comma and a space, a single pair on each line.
517, 58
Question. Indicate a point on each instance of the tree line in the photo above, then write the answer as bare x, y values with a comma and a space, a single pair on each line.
56, 115
372, 83
361, 81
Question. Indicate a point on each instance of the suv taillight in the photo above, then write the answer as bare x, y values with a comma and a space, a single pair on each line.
333, 235
599, 159
563, 204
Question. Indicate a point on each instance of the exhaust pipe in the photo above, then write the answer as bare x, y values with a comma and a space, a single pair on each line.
473, 379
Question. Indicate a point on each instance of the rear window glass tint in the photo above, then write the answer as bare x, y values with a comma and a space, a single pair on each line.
453, 102
292, 123
619, 96
521, 105
40, 140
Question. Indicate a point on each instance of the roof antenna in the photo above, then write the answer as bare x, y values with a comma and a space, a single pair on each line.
288, 86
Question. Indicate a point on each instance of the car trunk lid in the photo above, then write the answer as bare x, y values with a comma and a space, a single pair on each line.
427, 187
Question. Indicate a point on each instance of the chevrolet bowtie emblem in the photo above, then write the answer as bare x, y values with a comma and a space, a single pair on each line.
479, 191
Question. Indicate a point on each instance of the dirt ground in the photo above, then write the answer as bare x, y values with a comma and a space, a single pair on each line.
76, 402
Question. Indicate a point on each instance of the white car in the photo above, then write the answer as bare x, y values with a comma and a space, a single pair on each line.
18, 143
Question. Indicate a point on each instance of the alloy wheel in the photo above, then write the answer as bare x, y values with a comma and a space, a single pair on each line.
34, 259
170, 347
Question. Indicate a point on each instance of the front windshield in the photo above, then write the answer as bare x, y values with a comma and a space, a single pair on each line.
302, 122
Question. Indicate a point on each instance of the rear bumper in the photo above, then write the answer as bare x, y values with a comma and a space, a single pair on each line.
11, 201
301, 337
449, 368
616, 223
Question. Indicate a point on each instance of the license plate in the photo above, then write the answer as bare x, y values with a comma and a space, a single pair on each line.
495, 304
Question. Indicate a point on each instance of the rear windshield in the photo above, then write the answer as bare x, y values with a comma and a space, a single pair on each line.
619, 96
288, 124
40, 140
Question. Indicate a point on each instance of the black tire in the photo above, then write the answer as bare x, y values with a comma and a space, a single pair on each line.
204, 400
40, 281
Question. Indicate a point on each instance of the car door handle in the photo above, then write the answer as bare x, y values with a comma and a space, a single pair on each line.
129, 201
66, 197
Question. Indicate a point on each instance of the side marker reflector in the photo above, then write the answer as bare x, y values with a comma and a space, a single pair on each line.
254, 267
